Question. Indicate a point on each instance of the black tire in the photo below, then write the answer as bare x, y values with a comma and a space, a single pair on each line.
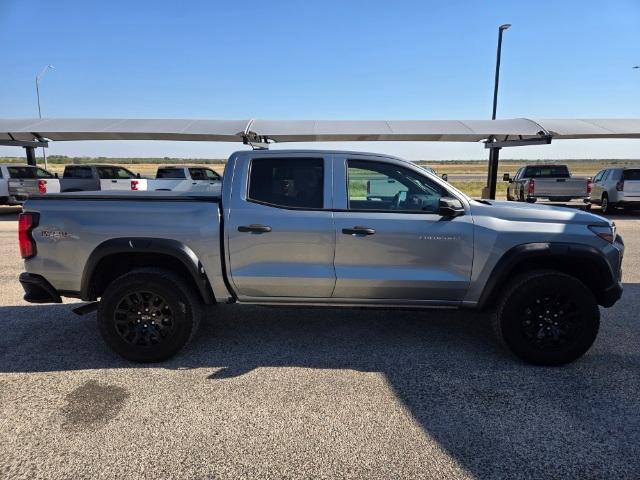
547, 318
605, 206
532, 200
131, 306
522, 199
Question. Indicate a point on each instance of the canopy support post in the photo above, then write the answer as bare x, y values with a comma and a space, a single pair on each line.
31, 155
492, 175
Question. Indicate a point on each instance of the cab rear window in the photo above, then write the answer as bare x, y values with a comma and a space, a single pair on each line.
21, 172
547, 171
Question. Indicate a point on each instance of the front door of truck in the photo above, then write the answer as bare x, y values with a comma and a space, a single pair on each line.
391, 243
279, 227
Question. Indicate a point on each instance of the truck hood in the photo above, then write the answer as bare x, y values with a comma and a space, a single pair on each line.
528, 212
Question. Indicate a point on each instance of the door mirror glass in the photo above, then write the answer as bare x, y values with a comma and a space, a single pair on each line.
450, 207
506, 178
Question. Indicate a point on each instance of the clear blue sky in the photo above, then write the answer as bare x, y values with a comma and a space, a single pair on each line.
322, 59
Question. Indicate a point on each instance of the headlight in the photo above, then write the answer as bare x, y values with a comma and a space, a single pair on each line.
607, 233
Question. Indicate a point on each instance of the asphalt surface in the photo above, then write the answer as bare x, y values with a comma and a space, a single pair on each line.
303, 393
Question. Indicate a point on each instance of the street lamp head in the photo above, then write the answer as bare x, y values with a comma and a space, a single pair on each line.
51, 67
504, 26
636, 66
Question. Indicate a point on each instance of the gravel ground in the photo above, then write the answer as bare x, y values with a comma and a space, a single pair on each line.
280, 393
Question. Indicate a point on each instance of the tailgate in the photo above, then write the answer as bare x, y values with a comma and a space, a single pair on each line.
632, 188
561, 187
23, 187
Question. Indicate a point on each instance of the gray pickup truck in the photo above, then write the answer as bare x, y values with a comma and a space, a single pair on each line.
550, 182
298, 228
100, 177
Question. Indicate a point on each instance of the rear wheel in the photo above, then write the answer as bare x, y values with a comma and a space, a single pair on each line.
605, 206
548, 318
148, 315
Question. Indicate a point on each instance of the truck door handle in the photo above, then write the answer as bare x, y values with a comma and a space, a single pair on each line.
254, 228
114, 181
358, 231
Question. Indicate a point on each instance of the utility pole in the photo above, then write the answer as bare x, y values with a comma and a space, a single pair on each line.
494, 153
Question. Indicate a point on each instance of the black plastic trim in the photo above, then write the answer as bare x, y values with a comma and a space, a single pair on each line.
161, 246
37, 289
575, 251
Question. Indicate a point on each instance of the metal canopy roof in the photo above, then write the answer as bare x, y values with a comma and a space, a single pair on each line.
314, 130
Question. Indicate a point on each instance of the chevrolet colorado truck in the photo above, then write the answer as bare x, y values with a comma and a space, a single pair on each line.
301, 228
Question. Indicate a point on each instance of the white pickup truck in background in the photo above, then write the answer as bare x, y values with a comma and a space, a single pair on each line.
183, 179
18, 182
550, 182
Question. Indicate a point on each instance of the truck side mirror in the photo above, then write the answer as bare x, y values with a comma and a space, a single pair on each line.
506, 178
445, 177
56, 174
138, 175
450, 207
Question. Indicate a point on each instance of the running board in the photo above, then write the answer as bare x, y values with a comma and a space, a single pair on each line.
86, 308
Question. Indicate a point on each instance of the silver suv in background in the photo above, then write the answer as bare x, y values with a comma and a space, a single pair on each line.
616, 188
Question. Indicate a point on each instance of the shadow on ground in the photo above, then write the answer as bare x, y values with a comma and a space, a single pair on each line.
496, 416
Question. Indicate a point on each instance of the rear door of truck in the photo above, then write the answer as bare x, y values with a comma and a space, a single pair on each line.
203, 179
118, 178
279, 226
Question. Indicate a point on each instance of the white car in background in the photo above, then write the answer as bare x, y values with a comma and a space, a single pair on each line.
19, 182
185, 179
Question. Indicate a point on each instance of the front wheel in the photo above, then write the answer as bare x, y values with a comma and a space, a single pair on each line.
605, 206
548, 318
148, 314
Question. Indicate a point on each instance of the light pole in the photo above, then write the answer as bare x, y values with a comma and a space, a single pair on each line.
38, 77
494, 153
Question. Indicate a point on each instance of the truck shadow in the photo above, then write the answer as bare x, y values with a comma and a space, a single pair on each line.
496, 416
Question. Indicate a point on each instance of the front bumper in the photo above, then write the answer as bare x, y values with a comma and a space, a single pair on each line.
38, 290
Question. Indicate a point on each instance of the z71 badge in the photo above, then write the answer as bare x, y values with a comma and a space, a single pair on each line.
53, 234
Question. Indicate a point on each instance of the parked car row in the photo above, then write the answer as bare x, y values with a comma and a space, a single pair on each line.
611, 188
18, 182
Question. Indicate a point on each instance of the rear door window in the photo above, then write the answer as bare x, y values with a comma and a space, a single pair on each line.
171, 173
211, 175
197, 174
631, 175
77, 172
287, 182
42, 173
114, 173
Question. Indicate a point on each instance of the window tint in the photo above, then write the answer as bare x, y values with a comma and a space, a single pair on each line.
114, 173
197, 174
631, 175
170, 173
21, 172
605, 175
77, 172
42, 173
598, 176
547, 171
211, 175
383, 186
287, 182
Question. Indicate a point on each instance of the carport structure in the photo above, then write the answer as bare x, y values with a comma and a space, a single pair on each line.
33, 133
